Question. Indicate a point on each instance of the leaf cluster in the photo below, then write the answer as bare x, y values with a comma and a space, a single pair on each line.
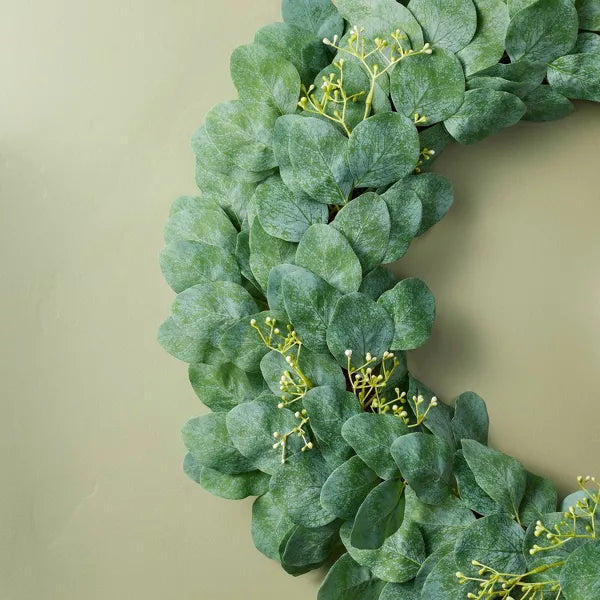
312, 181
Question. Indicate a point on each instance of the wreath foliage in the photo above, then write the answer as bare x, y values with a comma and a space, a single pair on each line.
296, 333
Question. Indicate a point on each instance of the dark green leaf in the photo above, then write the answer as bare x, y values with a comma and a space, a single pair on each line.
327, 253
376, 282
495, 541
251, 427
589, 14
317, 152
400, 591
348, 580
412, 307
449, 24
223, 387
383, 149
379, 516
361, 325
542, 31
470, 493
433, 139
372, 435
309, 302
365, 223
431, 86
471, 418
347, 487
230, 487
487, 47
398, 560
587, 43
329, 408
576, 76
546, 104
483, 113
442, 583
296, 487
406, 211
284, 214
502, 477
580, 577
540, 498
208, 441
270, 525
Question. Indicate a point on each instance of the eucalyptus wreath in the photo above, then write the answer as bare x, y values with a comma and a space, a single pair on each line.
297, 334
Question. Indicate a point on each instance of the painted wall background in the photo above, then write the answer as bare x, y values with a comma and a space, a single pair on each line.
97, 105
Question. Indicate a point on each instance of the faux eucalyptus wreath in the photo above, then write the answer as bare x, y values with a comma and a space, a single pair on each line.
296, 333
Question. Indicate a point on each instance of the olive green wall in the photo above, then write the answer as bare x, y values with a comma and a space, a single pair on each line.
97, 103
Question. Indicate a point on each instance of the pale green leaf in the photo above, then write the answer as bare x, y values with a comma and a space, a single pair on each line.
270, 525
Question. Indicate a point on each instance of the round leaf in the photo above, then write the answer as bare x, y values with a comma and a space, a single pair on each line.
348, 580
576, 76
270, 525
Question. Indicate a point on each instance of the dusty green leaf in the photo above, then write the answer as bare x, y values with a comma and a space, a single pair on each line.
539, 499
406, 211
365, 223
270, 525
471, 418
429, 85
371, 436
328, 254
412, 307
580, 577
542, 31
587, 43
348, 580
576, 76
181, 344
318, 16
471, 495
589, 14
483, 113
546, 104
376, 282
361, 325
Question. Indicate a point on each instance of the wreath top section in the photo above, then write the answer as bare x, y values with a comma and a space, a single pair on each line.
297, 335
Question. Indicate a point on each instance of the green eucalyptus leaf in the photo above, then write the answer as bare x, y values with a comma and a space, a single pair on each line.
546, 104
328, 254
400, 591
209, 442
299, 46
230, 487
262, 76
448, 24
471, 495
412, 307
442, 583
431, 86
348, 580
514, 6
540, 498
495, 541
270, 526
576, 76
318, 16
388, 13
267, 252
361, 325
542, 31
186, 203
347, 487
251, 426
185, 264
296, 487
365, 223
182, 344
432, 140
307, 548
371, 436
241, 343
244, 133
406, 211
207, 309
487, 47
275, 287
318, 155
223, 387
502, 477
519, 78
440, 524
329, 408
207, 224
281, 149
589, 14
587, 43
425, 462
471, 419
382, 150
430, 563
376, 282
398, 560
580, 577
483, 113
286, 215
435, 194
379, 516
309, 302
